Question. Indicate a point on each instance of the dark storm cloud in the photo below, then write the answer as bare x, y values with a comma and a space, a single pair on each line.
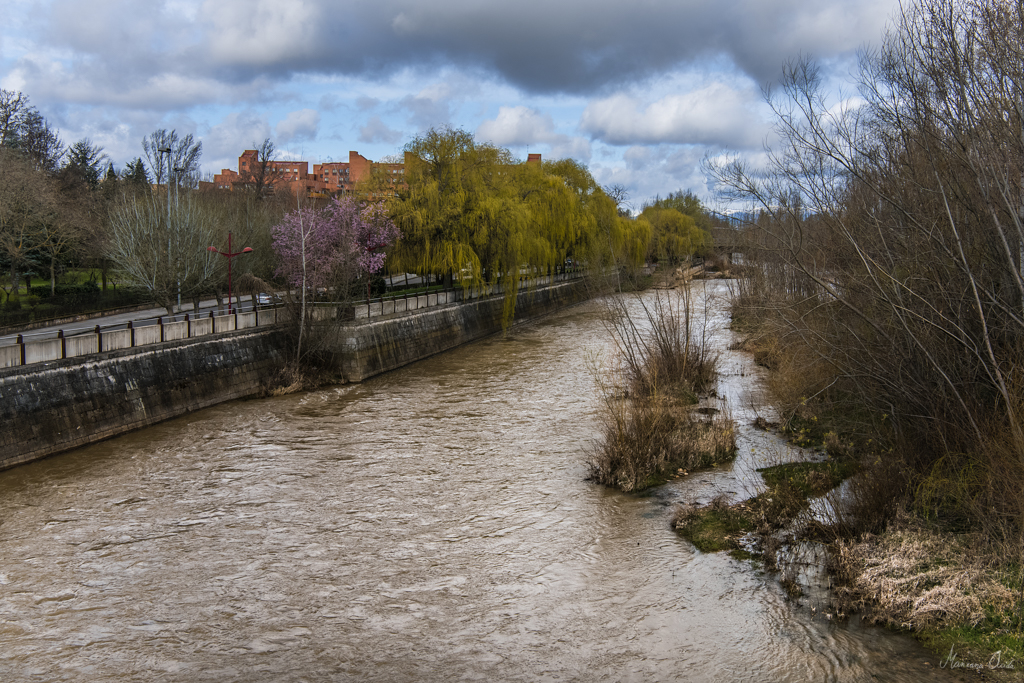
128, 50
570, 46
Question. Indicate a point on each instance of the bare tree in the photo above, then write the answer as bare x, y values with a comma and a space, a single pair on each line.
40, 143
891, 236
163, 146
264, 175
165, 258
27, 203
13, 108
620, 195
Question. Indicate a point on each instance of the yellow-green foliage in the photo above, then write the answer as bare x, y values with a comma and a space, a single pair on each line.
676, 238
675, 235
472, 212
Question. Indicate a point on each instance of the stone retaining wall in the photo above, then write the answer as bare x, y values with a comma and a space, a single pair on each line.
56, 403
370, 348
55, 406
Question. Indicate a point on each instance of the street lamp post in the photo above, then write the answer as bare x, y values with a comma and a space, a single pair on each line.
170, 265
229, 255
177, 237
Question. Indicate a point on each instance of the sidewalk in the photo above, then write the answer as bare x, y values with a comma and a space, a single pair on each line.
118, 320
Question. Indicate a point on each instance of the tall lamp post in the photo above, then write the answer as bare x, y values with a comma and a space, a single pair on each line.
170, 265
229, 255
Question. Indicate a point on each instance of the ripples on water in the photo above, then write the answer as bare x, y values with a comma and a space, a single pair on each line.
430, 524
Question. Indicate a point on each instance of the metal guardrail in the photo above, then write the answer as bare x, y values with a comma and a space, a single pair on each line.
129, 335
402, 303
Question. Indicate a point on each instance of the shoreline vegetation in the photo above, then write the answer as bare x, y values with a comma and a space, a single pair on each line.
884, 289
897, 552
901, 550
911, 567
657, 419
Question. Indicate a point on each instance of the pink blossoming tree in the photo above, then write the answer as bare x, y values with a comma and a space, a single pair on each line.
329, 248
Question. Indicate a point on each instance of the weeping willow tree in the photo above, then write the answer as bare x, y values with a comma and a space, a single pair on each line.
675, 235
471, 213
443, 171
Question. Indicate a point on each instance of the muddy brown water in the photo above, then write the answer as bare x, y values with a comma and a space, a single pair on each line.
430, 524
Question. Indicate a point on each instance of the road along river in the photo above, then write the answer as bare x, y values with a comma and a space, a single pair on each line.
433, 523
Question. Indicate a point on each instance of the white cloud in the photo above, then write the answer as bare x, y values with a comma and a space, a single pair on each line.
376, 130
575, 147
577, 78
425, 112
517, 126
299, 125
262, 32
521, 126
236, 132
713, 115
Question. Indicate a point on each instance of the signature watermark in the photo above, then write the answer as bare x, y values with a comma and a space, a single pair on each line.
952, 661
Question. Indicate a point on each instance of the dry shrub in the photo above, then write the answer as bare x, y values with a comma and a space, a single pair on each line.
663, 343
288, 379
916, 577
775, 507
645, 439
869, 500
665, 362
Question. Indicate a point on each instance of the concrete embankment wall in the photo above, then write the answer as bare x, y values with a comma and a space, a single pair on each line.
52, 406
370, 348
47, 408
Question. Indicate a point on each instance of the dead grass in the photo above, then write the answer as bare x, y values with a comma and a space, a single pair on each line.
647, 439
292, 378
651, 428
918, 578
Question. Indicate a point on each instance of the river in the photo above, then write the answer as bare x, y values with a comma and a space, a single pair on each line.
433, 523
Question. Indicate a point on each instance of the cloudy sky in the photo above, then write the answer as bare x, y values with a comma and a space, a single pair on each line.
640, 91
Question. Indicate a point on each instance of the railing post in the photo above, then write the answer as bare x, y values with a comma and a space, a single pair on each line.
63, 344
160, 322
188, 327
99, 340
131, 334
21, 343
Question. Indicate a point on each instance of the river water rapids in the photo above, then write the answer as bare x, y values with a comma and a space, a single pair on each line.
433, 523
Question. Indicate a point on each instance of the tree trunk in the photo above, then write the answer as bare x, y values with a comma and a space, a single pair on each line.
14, 282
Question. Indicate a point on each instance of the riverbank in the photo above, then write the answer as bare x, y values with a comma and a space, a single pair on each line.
901, 550
62, 404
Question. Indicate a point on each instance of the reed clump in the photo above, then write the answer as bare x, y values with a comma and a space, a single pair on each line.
651, 429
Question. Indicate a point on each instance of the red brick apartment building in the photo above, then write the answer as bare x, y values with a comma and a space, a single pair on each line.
330, 178
333, 177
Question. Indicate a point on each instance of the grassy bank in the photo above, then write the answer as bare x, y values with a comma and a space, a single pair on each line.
922, 541
950, 589
742, 528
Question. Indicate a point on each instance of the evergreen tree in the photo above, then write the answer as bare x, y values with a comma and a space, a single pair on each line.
135, 174
84, 161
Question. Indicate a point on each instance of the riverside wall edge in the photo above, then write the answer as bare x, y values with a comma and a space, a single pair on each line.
371, 348
47, 408
55, 406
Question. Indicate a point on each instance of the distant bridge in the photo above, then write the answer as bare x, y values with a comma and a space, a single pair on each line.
728, 240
